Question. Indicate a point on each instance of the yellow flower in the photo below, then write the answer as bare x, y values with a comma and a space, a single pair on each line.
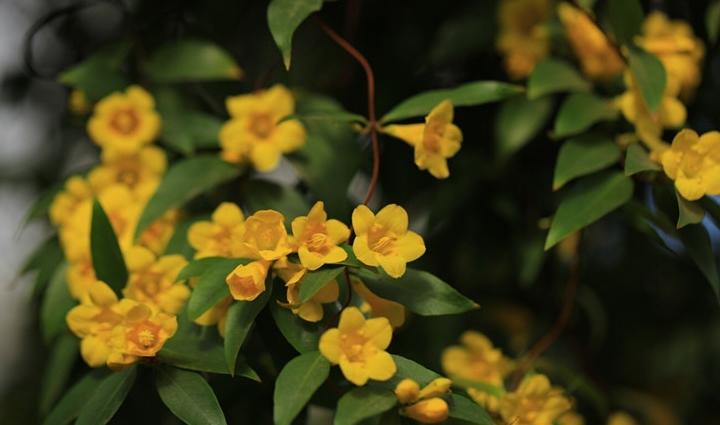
221, 235
156, 236
674, 43
693, 162
598, 58
534, 402
141, 334
523, 39
434, 142
265, 237
217, 315
621, 418
139, 171
247, 281
253, 132
317, 238
80, 276
125, 121
649, 125
375, 306
152, 280
385, 240
312, 309
358, 346
425, 406
570, 418
78, 102
75, 191
93, 321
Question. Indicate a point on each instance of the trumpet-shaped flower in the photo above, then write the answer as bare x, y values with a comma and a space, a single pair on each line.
125, 121
316, 238
358, 346
384, 239
693, 162
312, 309
254, 132
142, 333
434, 142
265, 237
523, 38
246, 282
220, 236
534, 402
152, 280
598, 58
375, 306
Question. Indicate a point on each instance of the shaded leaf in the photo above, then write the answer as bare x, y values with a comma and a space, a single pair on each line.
362, 403
303, 336
260, 195
99, 74
296, 384
55, 305
313, 281
584, 155
688, 212
625, 18
191, 60
712, 22
188, 396
74, 399
284, 17
580, 111
63, 355
240, 318
211, 287
107, 258
650, 76
637, 160
518, 121
697, 242
467, 410
107, 398
326, 116
188, 130
553, 76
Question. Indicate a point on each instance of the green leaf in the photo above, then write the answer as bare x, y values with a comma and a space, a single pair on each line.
260, 195
296, 384
107, 398
284, 17
688, 212
99, 74
588, 201
712, 22
584, 155
362, 403
580, 111
326, 116
197, 267
188, 396
41, 206
626, 19
72, 402
518, 121
44, 261
184, 181
211, 288
554, 76
407, 368
55, 305
699, 248
62, 358
469, 94
637, 160
240, 318
429, 296
463, 408
650, 76
313, 281
303, 336
107, 258
191, 60
188, 130
179, 243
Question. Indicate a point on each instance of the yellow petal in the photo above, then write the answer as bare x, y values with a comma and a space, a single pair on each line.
379, 332
394, 218
228, 214
672, 112
394, 265
329, 345
139, 258
441, 114
310, 311
328, 294
691, 189
363, 252
101, 294
351, 319
310, 260
94, 351
411, 246
381, 366
362, 219
337, 231
335, 255
265, 157
354, 372
411, 134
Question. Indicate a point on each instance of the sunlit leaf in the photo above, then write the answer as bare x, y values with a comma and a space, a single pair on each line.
191, 60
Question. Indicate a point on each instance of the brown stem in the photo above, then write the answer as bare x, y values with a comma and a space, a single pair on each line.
549, 338
372, 118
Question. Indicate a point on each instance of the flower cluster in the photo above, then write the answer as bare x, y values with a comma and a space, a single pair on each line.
118, 332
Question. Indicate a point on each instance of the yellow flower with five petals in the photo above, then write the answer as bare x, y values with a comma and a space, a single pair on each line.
152, 280
142, 333
265, 237
534, 402
247, 281
693, 162
220, 236
312, 309
316, 238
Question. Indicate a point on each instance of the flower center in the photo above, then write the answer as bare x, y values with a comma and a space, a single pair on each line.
262, 125
317, 242
124, 121
352, 345
244, 285
128, 177
144, 335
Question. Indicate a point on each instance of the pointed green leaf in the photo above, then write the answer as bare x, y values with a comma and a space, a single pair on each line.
188, 130
211, 288
313, 281
362, 403
296, 384
584, 155
240, 318
637, 160
469, 94
553, 76
697, 242
464, 409
191, 60
62, 358
107, 258
197, 267
188, 396
72, 402
626, 19
588, 201
580, 111
260, 195
519, 121
430, 296
107, 398
284, 17
184, 181
689, 212
650, 76
407, 368
326, 116
55, 305
303, 336
99, 74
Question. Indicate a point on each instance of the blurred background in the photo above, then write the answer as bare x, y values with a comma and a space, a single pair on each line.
645, 333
